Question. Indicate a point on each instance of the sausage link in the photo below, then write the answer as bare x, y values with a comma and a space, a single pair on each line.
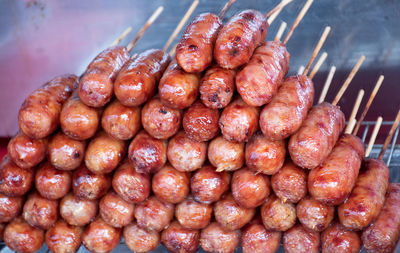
194, 52
87, 185
239, 37
283, 116
137, 81
314, 215
300, 240
10, 207
192, 214
226, 155
15, 181
77, 211
332, 182
367, 198
258, 81
215, 238
277, 215
140, 239
63, 238
22, 237
40, 212
52, 183
39, 115
257, 239
337, 238
96, 86
115, 211
315, 139
177, 238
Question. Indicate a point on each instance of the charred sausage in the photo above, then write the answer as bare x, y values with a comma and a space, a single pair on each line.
115, 211
52, 183
215, 238
63, 238
177, 238
314, 215
300, 240
15, 181
226, 155
192, 214
22, 237
77, 211
337, 238
139, 239
87, 185
154, 213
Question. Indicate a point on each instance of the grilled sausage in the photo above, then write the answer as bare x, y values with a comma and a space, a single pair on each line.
77, 211
63, 238
226, 155
177, 88
215, 238
314, 215
300, 240
238, 39
192, 214
154, 213
10, 207
39, 115
121, 122
101, 237
96, 86
159, 120
248, 189
40, 212
87, 185
194, 52
171, 185
140, 239
22, 237
26, 152
283, 116
239, 121
66, 153
200, 123
177, 238
332, 182
258, 81
137, 81
186, 154
290, 183
263, 155
337, 238
315, 139
15, 181
79, 121
384, 233
147, 154
115, 211
277, 215
367, 198
217, 87
52, 183
132, 186
257, 239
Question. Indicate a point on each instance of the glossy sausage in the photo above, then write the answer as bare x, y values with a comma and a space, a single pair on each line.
10, 207
15, 181
63, 238
300, 240
140, 239
276, 215
87, 185
215, 238
314, 215
192, 214
115, 211
337, 238
52, 183
257, 239
177, 238
77, 211
226, 155
40, 212
154, 213
22, 237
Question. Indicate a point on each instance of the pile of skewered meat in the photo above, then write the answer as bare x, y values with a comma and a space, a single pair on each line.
213, 147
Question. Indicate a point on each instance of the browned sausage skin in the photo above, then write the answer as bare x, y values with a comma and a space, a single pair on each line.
87, 185
10, 207
384, 233
40, 212
139, 239
314, 215
337, 238
239, 37
192, 214
215, 238
39, 115
77, 211
177, 238
96, 86
26, 152
277, 215
116, 211
15, 181
226, 155
22, 237
137, 81
257, 239
194, 52
63, 238
52, 183
367, 198
154, 213
300, 240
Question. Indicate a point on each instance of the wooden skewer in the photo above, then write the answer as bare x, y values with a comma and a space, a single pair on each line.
327, 84
298, 19
226, 8
317, 48
373, 136
281, 29
122, 36
348, 80
301, 70
390, 135
369, 102
317, 65
351, 125
353, 114
273, 14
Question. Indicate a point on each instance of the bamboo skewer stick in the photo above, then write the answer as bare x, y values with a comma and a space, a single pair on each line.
390, 135
226, 8
300, 70
352, 118
373, 136
273, 14
317, 65
327, 84
298, 19
280, 32
122, 36
317, 49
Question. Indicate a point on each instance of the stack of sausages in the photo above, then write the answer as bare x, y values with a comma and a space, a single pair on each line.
164, 150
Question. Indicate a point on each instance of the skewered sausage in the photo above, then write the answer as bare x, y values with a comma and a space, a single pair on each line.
337, 238
186, 154
248, 189
66, 153
315, 139
283, 116
192, 214
314, 215
263, 155
215, 238
290, 183
238, 121
277, 215
22, 237
177, 238
121, 122
238, 39
300, 240
137, 81
39, 115
226, 155
40, 212
77, 211
15, 181
132, 186
154, 213
87, 185
140, 239
217, 87
159, 120
147, 154
52, 183
384, 233
26, 152
367, 198
194, 52
171, 185
63, 238
332, 182
10, 207
258, 81
96, 86
257, 239
207, 185
116, 211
